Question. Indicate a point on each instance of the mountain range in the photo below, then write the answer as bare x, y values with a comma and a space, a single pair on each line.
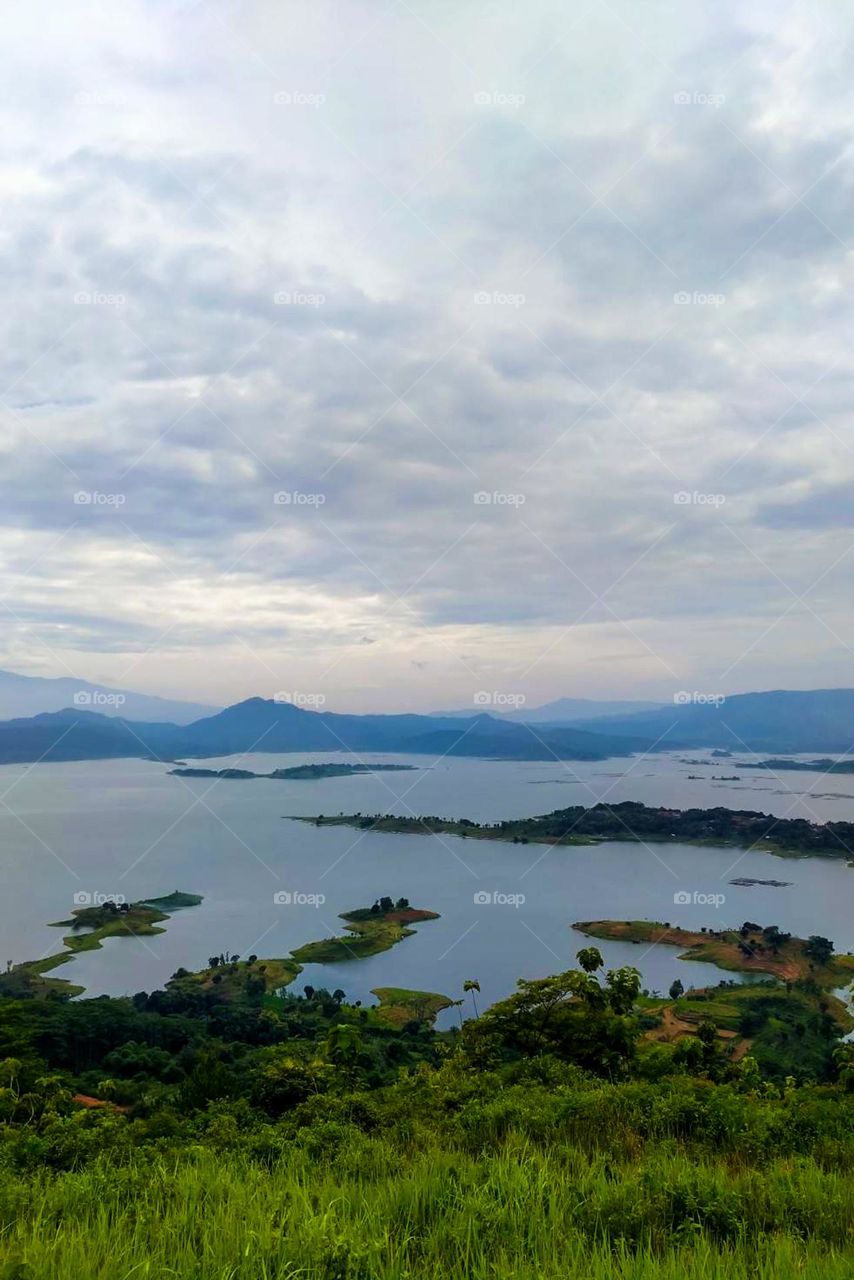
22, 696
782, 721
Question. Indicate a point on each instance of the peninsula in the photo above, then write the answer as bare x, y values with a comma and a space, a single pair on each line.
628, 821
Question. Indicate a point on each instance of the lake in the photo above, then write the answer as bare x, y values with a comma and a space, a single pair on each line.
127, 827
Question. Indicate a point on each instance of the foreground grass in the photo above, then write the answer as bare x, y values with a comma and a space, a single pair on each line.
363, 1209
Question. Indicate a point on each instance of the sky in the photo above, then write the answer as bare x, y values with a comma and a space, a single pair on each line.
388, 355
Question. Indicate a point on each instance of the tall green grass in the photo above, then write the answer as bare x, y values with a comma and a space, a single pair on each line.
363, 1209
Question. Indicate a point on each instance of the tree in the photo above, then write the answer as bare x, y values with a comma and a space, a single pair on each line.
819, 949
590, 959
676, 989
472, 985
309, 991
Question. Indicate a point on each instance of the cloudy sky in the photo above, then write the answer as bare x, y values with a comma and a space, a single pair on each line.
398, 351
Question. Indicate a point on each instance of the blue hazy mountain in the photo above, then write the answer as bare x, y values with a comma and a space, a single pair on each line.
23, 696
783, 720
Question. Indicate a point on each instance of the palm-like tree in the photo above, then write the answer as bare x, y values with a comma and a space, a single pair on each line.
472, 985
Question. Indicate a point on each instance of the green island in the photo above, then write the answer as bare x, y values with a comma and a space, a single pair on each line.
297, 773
104, 920
399, 1005
627, 821
578, 1128
370, 930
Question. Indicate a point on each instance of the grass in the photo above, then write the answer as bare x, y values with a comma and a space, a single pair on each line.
364, 1209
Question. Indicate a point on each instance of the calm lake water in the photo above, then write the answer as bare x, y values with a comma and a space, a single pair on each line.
127, 827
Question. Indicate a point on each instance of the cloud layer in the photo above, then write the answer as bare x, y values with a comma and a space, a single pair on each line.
400, 351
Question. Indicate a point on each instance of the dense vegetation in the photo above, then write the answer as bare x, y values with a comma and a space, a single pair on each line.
243, 1135
633, 821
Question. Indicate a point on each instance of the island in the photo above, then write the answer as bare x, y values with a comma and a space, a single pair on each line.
825, 765
750, 880
628, 821
90, 926
296, 773
371, 929
398, 1005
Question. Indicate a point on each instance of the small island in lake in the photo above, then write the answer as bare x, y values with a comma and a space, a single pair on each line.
749, 880
297, 773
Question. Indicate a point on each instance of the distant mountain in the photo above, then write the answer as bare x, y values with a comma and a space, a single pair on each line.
262, 725
77, 734
781, 720
564, 711
22, 696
